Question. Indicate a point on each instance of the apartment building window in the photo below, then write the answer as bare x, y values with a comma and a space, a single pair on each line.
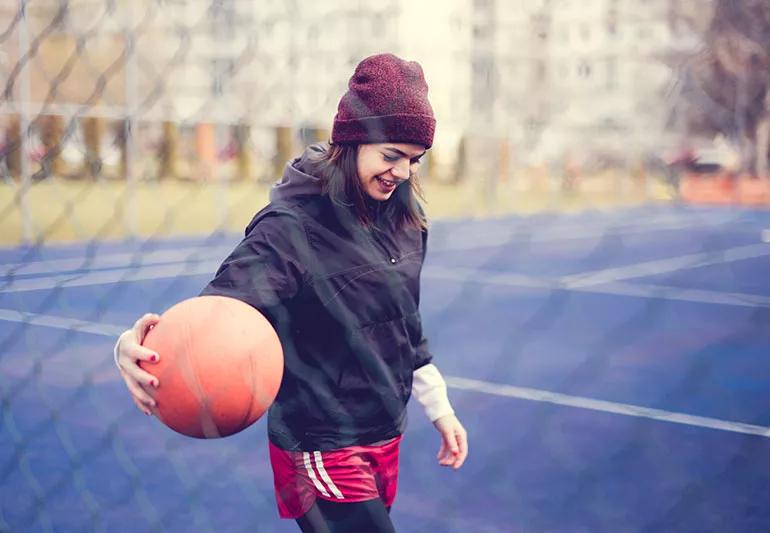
612, 22
611, 81
539, 24
312, 35
216, 86
222, 20
483, 70
585, 31
584, 69
482, 30
267, 29
378, 25
222, 70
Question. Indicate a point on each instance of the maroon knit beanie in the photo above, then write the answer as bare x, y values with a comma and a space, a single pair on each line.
386, 101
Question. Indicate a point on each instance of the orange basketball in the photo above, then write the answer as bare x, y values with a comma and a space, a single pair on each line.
220, 366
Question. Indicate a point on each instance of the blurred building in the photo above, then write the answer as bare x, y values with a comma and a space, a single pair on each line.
608, 74
277, 63
544, 76
556, 76
287, 63
549, 76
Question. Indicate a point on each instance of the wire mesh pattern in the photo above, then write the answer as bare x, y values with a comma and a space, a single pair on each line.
137, 139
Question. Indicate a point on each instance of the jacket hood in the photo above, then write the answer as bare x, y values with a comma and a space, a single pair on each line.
295, 180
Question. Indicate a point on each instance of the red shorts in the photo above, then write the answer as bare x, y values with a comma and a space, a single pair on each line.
352, 474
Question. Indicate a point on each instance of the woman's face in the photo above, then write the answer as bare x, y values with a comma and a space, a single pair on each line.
384, 166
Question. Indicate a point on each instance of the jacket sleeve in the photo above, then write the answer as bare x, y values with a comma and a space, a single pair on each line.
423, 355
266, 268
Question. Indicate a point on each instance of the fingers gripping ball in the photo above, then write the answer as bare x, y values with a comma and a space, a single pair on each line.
220, 367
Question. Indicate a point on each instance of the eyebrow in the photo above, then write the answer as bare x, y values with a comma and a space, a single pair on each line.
396, 150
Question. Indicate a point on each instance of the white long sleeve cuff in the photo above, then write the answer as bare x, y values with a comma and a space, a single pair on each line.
429, 389
115, 350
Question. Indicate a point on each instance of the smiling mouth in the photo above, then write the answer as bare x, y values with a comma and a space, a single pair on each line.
387, 183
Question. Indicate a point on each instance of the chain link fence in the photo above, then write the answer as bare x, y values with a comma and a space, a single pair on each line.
137, 139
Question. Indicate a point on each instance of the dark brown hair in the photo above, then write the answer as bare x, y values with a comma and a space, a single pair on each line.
338, 170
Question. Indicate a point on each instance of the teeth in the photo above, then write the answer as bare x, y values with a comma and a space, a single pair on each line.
388, 182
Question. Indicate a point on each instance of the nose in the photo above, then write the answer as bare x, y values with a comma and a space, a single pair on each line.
401, 169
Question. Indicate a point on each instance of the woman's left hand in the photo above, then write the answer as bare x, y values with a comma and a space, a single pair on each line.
454, 441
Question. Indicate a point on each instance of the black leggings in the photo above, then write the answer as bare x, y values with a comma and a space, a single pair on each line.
332, 517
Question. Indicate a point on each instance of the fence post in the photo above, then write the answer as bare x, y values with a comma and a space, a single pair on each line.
241, 136
169, 156
92, 137
27, 232
763, 140
128, 145
13, 137
283, 149
51, 134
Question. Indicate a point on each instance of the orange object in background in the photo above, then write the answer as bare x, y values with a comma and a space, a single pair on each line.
753, 191
725, 190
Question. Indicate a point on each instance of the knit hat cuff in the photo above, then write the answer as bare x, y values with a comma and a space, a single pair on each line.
401, 128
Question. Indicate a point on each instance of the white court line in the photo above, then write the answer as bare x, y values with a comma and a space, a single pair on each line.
58, 322
664, 292
565, 231
123, 259
599, 281
464, 275
455, 382
532, 233
113, 276
640, 290
625, 409
671, 264
488, 277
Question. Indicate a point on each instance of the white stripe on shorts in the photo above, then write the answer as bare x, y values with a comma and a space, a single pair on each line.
311, 473
319, 463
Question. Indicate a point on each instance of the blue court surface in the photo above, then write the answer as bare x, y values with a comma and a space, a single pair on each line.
612, 369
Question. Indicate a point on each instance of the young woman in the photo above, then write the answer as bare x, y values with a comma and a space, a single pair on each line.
334, 263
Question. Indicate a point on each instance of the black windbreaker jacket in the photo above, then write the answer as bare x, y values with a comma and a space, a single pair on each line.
344, 300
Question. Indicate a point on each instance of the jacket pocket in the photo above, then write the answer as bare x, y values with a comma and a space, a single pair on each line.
381, 362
